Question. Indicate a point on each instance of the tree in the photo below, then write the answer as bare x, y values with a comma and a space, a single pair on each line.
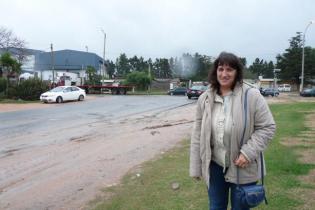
162, 68
202, 66
243, 61
140, 79
176, 67
194, 67
290, 62
257, 67
93, 78
110, 67
8, 40
261, 68
269, 69
122, 65
9, 65
134, 63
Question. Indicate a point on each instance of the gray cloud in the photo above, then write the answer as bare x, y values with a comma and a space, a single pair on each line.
161, 28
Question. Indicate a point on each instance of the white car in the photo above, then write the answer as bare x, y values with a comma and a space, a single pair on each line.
284, 88
63, 93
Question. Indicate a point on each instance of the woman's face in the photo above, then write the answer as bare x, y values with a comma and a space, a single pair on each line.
226, 76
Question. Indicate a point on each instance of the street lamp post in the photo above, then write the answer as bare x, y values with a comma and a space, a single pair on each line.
52, 64
275, 71
303, 45
104, 74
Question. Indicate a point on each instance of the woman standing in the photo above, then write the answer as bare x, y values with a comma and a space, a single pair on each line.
215, 152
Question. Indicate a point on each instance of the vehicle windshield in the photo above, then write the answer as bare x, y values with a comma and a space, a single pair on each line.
199, 88
57, 89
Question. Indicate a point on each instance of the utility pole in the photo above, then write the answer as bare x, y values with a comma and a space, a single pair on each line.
149, 74
275, 71
52, 63
104, 74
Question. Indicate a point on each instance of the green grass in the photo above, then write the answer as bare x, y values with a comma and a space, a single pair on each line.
152, 190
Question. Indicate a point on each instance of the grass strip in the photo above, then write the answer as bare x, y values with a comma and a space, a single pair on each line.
150, 187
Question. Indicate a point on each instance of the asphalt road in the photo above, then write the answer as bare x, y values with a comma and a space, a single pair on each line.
65, 121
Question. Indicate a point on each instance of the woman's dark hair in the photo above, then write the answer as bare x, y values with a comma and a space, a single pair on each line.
231, 60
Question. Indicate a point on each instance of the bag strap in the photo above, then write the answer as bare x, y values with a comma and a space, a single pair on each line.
242, 140
261, 154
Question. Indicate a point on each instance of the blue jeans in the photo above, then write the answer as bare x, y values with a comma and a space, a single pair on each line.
218, 192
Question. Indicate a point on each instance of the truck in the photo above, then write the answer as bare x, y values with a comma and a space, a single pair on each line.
112, 87
67, 79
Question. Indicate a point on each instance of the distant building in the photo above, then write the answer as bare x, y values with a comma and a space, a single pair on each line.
43, 64
267, 82
66, 61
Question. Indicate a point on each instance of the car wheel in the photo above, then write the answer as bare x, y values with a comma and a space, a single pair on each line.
189, 97
81, 98
59, 99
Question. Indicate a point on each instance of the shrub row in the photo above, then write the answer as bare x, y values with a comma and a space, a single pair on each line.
27, 90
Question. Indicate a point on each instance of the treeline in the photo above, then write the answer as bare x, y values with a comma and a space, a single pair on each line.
289, 63
196, 67
187, 66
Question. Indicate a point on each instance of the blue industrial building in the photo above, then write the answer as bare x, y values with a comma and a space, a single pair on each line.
67, 60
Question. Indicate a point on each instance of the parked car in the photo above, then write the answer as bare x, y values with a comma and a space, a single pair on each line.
269, 92
308, 92
178, 91
63, 93
196, 91
284, 88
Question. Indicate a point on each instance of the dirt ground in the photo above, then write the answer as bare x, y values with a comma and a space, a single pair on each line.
39, 105
69, 175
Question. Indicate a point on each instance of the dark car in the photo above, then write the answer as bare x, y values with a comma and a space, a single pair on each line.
178, 91
308, 92
196, 91
269, 92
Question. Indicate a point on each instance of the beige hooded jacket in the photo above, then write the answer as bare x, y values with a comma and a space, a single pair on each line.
259, 131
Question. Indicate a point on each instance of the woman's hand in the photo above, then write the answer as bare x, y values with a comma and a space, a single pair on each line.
241, 161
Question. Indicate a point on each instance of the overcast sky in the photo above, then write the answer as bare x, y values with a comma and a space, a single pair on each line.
161, 28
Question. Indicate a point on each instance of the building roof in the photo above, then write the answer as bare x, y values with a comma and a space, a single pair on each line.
67, 60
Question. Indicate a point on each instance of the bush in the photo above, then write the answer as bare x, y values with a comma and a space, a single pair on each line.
3, 84
31, 89
12, 92
140, 79
2, 96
